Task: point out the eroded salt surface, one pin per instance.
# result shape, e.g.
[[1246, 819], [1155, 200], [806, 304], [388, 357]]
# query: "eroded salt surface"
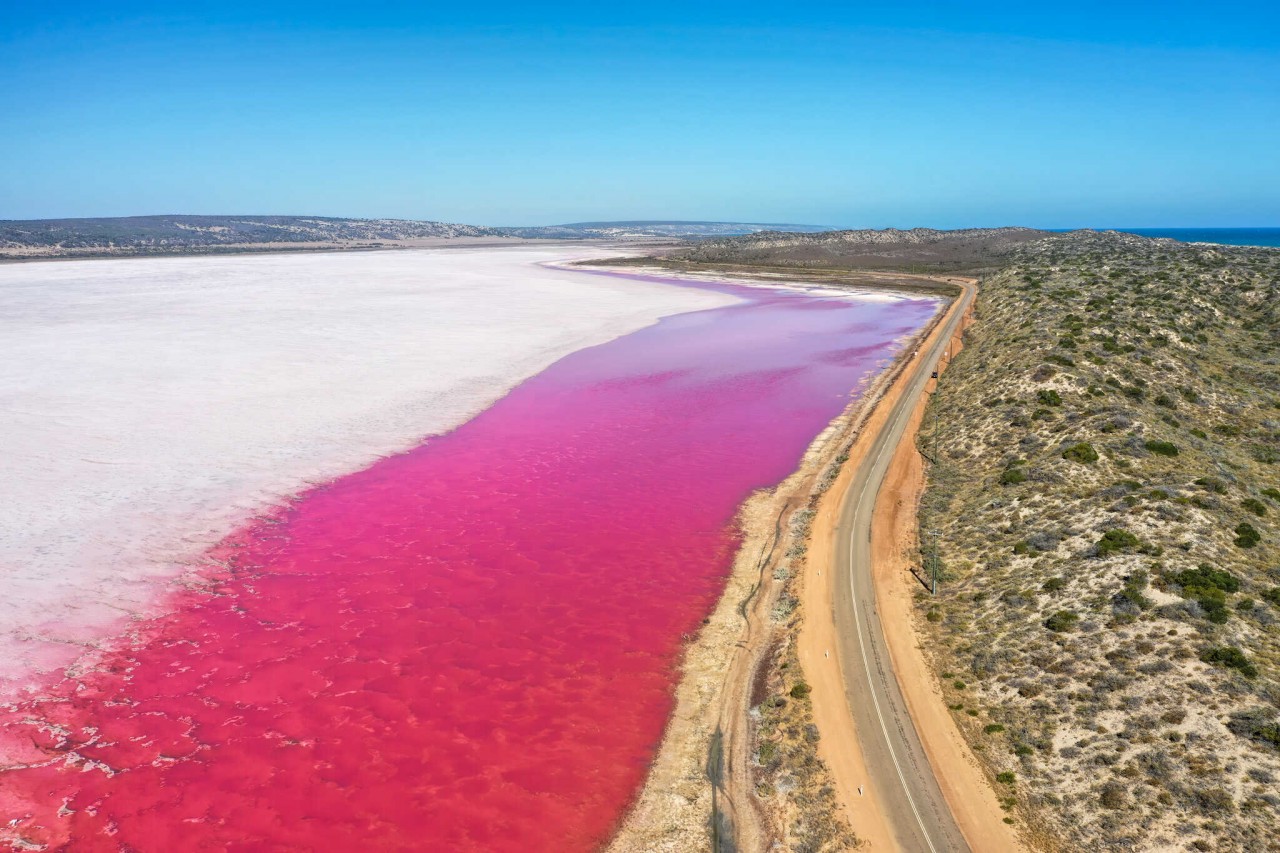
[[149, 407]]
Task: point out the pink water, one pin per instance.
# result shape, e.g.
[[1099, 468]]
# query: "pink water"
[[469, 646]]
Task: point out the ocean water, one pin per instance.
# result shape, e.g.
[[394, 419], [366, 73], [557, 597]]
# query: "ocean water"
[[1227, 236], [468, 646]]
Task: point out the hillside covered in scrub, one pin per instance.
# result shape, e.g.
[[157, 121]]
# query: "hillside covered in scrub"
[[1105, 505], [916, 249]]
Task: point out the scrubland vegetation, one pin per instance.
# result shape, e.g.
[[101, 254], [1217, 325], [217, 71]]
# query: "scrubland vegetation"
[[1107, 490]]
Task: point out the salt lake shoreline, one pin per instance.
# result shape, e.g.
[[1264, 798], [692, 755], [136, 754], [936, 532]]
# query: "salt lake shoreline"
[[674, 811]]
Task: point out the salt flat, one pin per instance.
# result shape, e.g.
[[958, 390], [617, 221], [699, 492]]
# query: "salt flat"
[[149, 407]]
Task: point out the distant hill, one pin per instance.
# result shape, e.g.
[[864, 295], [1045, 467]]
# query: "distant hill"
[[169, 235], [632, 229], [132, 235], [923, 249]]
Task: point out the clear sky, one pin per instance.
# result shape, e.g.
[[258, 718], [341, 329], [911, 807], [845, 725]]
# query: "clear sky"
[[853, 114]]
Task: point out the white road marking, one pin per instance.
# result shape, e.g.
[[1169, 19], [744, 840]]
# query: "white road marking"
[[862, 646], [866, 664]]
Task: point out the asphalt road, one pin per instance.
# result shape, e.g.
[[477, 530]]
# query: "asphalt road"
[[896, 761]]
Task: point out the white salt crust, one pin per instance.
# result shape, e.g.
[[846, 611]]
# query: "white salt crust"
[[149, 407]]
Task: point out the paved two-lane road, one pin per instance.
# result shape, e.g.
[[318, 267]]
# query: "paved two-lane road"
[[917, 812]]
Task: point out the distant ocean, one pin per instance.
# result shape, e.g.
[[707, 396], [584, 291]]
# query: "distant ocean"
[[1229, 236]]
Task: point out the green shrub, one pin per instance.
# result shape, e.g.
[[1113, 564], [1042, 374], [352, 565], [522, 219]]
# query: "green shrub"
[[1116, 540], [1254, 506], [994, 728], [1082, 452], [1161, 448], [1208, 587], [1273, 595], [1247, 535], [1206, 576], [1274, 494], [1213, 484], [1049, 397], [1054, 584], [801, 691], [1062, 621], [1130, 595], [1008, 777], [1231, 658], [1257, 724], [1013, 476]]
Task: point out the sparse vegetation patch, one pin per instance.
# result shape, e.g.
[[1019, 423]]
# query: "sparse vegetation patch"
[[1107, 516]]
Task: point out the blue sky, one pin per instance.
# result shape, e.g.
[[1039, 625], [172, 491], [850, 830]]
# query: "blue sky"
[[862, 115]]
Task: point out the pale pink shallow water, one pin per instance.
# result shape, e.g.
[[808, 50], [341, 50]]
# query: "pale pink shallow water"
[[469, 646]]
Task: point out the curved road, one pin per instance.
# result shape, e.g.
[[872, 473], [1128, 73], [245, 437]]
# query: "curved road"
[[918, 814]]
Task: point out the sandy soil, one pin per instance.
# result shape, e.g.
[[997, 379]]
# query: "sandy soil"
[[674, 808], [673, 811], [150, 406], [966, 788]]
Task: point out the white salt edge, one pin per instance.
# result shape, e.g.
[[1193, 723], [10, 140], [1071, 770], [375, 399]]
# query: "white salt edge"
[[149, 407]]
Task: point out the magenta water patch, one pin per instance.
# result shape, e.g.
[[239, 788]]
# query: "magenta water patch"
[[469, 646]]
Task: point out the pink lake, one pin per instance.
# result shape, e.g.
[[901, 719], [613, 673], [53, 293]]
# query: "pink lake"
[[468, 646]]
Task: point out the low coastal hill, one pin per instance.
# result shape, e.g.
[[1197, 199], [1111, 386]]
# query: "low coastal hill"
[[1105, 505], [140, 235], [635, 229], [190, 235], [915, 250]]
